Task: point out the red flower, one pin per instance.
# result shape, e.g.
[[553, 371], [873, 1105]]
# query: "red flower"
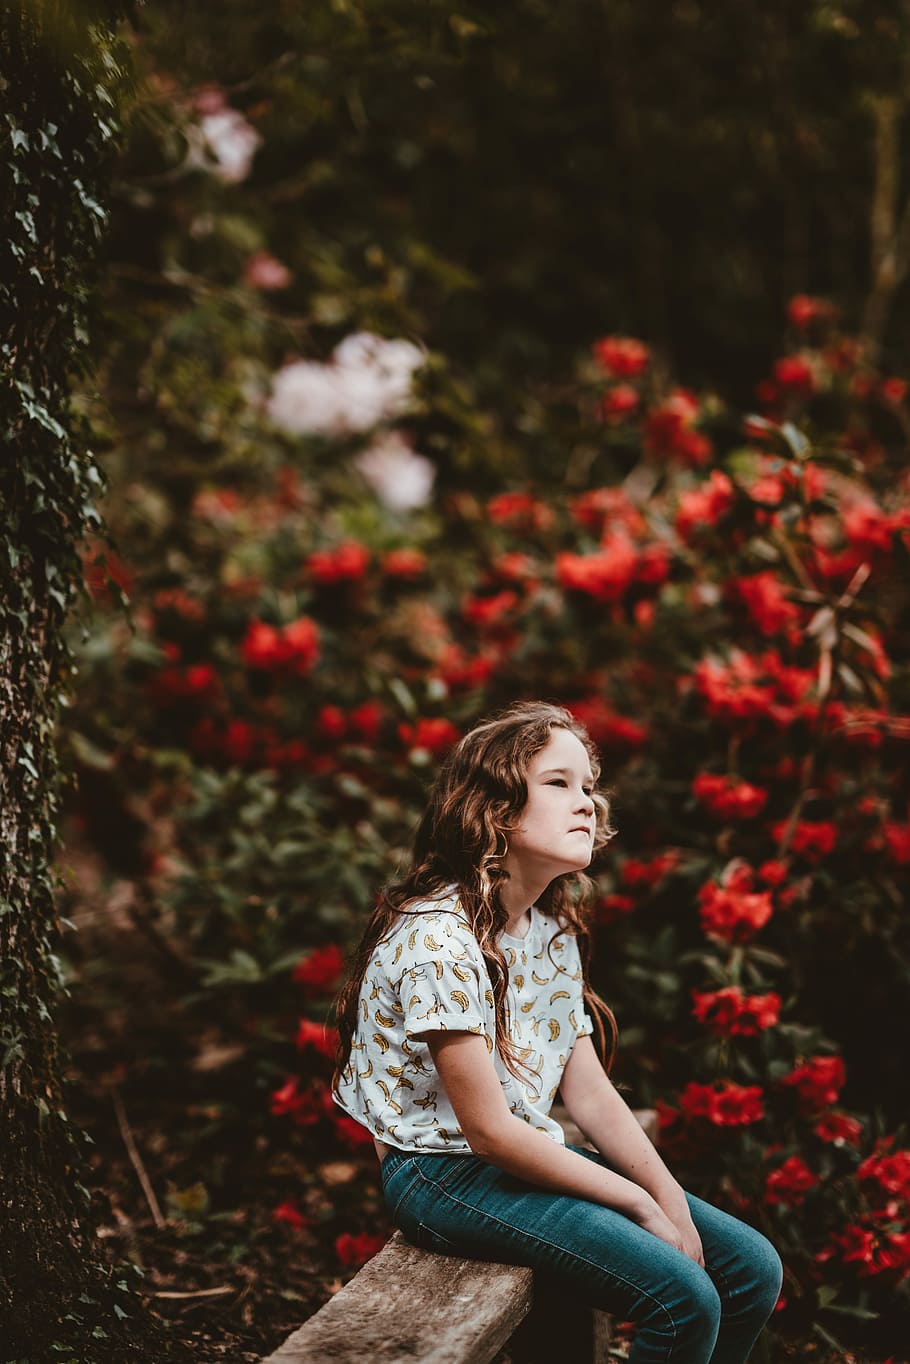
[[705, 505], [197, 683], [794, 373], [731, 1105], [605, 727], [897, 842], [618, 402], [317, 1036], [892, 1172], [599, 507], [839, 1128], [404, 563], [893, 390], [812, 839], [304, 1108], [818, 1082], [609, 908], [321, 969], [638, 872], [290, 1213], [366, 720], [519, 511], [431, 735], [670, 429], [790, 1183], [347, 562], [605, 574], [622, 356], [766, 600], [486, 612], [352, 1133], [730, 1013], [331, 723], [733, 915], [803, 310], [459, 670], [515, 567], [293, 647], [773, 872], [729, 798], [354, 1251]]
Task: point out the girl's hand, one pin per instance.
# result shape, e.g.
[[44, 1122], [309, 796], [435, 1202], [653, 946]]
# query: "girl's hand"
[[681, 1235]]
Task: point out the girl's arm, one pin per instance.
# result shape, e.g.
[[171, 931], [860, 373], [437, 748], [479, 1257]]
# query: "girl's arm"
[[496, 1135], [597, 1107]]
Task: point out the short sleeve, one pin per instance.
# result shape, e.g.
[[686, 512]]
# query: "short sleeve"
[[441, 996]]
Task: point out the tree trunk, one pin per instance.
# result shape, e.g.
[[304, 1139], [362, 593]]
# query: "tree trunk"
[[58, 1298]]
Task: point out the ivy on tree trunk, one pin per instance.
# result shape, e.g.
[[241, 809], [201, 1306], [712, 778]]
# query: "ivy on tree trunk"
[[61, 68]]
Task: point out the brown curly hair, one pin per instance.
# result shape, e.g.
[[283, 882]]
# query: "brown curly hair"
[[476, 800]]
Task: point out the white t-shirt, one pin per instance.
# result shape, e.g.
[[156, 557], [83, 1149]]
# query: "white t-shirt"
[[428, 975]]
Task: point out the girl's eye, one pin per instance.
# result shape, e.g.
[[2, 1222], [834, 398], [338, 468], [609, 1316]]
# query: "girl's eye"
[[556, 781]]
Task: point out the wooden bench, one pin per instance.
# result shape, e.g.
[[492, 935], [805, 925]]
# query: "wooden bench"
[[408, 1305]]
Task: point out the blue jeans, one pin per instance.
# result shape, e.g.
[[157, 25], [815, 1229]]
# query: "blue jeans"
[[459, 1205]]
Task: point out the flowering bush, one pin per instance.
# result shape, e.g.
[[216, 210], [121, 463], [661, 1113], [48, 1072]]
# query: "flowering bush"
[[358, 501], [733, 635]]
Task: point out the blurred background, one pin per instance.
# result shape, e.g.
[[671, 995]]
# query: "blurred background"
[[444, 358]]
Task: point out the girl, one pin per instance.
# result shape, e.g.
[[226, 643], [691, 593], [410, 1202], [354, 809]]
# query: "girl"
[[468, 1008]]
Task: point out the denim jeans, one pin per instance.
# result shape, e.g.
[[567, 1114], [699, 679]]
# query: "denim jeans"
[[684, 1314]]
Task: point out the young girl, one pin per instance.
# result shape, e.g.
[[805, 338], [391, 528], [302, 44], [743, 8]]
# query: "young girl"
[[468, 1009]]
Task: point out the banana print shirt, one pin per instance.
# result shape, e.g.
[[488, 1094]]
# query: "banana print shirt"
[[429, 975]]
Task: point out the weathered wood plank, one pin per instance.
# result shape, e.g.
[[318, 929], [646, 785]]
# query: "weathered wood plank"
[[407, 1304]]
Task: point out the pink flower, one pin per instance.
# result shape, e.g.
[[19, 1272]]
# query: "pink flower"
[[266, 272]]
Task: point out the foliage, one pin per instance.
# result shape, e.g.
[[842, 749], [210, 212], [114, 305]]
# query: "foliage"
[[724, 603]]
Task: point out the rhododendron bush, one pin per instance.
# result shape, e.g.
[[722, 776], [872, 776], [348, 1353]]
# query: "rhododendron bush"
[[349, 519], [727, 615]]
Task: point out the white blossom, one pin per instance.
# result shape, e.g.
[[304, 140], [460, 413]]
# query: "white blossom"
[[399, 477], [367, 381], [231, 140]]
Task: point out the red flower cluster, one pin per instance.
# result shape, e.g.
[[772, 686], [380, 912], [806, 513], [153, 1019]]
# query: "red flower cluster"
[[316, 1035], [811, 839], [519, 511], [599, 508], [293, 648], [638, 872], [873, 1250], [765, 598], [790, 1183], [755, 687], [618, 402], [354, 1251], [320, 969], [347, 562], [404, 563], [670, 430], [705, 505], [172, 686], [604, 575], [818, 1082], [730, 1013], [891, 1172], [728, 797], [431, 735], [622, 356], [605, 727], [839, 1128], [726, 1105], [732, 912], [290, 1213]]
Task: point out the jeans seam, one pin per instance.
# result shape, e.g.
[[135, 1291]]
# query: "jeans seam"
[[592, 1264]]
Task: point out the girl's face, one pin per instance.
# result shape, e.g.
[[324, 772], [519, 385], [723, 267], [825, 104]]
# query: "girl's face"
[[555, 834]]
